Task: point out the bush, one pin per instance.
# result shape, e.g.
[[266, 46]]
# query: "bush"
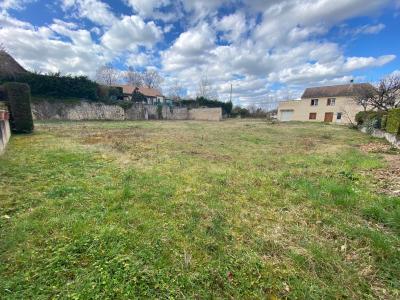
[[57, 86], [240, 112], [109, 93], [384, 122], [115, 93], [138, 97], [189, 103], [393, 121], [19, 101], [370, 117]]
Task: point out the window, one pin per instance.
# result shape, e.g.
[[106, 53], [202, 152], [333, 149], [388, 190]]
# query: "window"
[[314, 102], [313, 116], [331, 101], [339, 116]]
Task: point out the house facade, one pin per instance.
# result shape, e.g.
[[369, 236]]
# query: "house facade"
[[151, 96], [331, 104]]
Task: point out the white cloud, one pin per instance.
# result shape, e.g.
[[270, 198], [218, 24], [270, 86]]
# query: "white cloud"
[[7, 21], [42, 49], [233, 26], [138, 60], [366, 29], [94, 10], [14, 4], [146, 7], [130, 32], [191, 47], [257, 44], [314, 16], [355, 63]]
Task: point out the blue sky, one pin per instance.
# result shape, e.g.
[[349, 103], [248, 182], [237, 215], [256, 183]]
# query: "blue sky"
[[268, 50]]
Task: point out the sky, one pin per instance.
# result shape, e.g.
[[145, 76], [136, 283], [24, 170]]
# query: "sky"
[[268, 50]]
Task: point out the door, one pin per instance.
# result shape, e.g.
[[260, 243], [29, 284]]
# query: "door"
[[286, 115], [328, 117]]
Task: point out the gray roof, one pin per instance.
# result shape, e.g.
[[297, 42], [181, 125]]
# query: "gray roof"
[[9, 66], [335, 90]]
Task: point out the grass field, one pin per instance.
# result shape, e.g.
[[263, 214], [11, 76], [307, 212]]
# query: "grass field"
[[235, 209]]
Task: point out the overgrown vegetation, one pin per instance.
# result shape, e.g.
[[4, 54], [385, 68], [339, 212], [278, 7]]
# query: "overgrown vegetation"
[[55, 85], [227, 210], [18, 99], [373, 117], [204, 102], [393, 121]]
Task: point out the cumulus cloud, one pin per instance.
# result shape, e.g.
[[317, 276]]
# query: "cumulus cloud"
[[131, 32], [7, 21], [94, 10], [41, 49], [146, 7], [233, 26], [190, 48], [138, 60], [14, 4], [255, 45]]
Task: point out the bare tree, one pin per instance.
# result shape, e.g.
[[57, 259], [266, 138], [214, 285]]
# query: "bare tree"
[[364, 96], [388, 93], [152, 79], [107, 75], [206, 89], [176, 91], [384, 96], [133, 77]]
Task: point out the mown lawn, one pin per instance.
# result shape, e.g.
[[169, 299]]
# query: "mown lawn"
[[236, 209]]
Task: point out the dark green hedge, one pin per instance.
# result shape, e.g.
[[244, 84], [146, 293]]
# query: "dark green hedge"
[[109, 93], [138, 97], [226, 106], [55, 85], [377, 117], [393, 121], [201, 101], [19, 100]]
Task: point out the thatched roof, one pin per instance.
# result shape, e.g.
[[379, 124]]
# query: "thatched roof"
[[344, 90], [9, 67]]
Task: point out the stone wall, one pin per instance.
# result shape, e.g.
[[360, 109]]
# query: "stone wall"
[[76, 111], [44, 110], [176, 113], [206, 114], [5, 131], [391, 138]]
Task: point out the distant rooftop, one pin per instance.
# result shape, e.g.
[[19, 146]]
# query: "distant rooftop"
[[335, 90], [9, 66], [149, 92]]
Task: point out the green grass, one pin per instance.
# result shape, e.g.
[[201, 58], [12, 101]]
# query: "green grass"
[[235, 209]]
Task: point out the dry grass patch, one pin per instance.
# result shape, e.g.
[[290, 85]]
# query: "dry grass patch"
[[239, 209]]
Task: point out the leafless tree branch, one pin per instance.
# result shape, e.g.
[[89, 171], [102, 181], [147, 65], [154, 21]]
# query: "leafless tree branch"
[[107, 75], [152, 79], [133, 77]]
